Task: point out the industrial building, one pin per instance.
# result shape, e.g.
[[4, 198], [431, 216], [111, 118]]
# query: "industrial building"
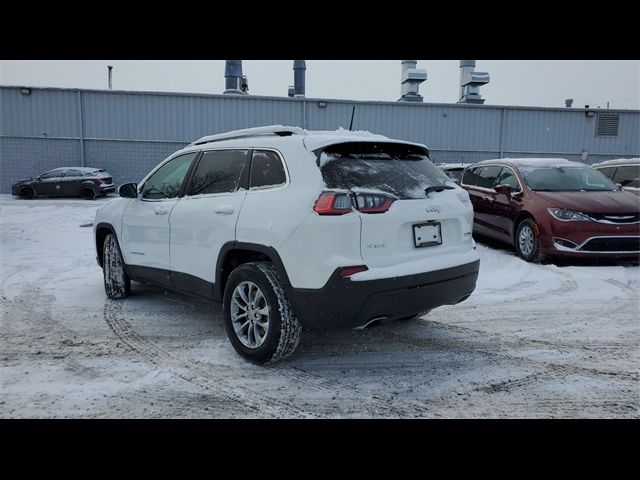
[[128, 132]]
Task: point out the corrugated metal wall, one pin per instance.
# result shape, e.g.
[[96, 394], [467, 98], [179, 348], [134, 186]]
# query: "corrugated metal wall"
[[106, 124]]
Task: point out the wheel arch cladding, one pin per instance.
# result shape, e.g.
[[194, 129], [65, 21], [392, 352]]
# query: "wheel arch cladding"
[[233, 254], [102, 230]]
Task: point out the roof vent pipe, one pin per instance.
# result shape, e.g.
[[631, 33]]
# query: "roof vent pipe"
[[235, 82], [299, 68], [568, 102], [470, 82], [410, 80]]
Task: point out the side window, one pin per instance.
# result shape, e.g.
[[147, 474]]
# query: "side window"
[[218, 172], [487, 176], [628, 176], [266, 170], [607, 171], [507, 177], [52, 174], [470, 176], [168, 179], [72, 173]]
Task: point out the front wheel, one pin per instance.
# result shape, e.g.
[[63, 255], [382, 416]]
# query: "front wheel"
[[27, 193], [528, 241], [257, 315], [117, 283]]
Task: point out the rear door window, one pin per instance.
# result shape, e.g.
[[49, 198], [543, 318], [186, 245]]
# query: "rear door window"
[[266, 170], [628, 176], [218, 171], [487, 176], [403, 171], [72, 173], [607, 171], [470, 176]]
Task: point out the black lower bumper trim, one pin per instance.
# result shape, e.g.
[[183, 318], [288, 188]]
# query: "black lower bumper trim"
[[343, 303]]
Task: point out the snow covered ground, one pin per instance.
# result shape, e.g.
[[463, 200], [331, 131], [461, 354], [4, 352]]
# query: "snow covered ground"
[[532, 341]]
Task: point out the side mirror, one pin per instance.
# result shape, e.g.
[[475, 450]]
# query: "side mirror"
[[128, 190], [506, 189]]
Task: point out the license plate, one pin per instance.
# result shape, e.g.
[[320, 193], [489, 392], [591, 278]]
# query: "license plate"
[[427, 234]]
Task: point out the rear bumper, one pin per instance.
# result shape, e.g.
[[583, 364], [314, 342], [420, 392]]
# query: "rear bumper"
[[104, 189], [343, 303]]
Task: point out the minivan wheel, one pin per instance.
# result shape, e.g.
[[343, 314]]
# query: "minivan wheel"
[[257, 315], [27, 193], [117, 283], [87, 194], [527, 241]]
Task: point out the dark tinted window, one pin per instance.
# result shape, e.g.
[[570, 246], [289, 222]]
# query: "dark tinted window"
[[401, 170], [266, 170], [72, 173], [487, 176], [218, 172], [628, 176], [607, 171], [168, 179], [52, 174], [507, 177], [470, 176]]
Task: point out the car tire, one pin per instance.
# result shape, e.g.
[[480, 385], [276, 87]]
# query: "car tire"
[[87, 194], [257, 315], [27, 193], [528, 241], [117, 283]]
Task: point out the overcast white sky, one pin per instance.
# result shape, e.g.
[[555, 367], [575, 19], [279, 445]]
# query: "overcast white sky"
[[513, 82]]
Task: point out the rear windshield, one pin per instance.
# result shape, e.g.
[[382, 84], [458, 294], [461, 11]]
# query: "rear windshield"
[[404, 171], [566, 179]]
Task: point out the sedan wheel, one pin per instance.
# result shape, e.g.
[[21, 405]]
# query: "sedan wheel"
[[27, 193]]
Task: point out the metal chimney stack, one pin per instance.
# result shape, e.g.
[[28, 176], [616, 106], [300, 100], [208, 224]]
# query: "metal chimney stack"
[[299, 69], [410, 80], [235, 82], [470, 82], [568, 102], [110, 69]]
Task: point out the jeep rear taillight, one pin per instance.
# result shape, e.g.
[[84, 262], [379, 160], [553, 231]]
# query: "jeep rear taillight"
[[348, 271], [333, 203], [373, 202]]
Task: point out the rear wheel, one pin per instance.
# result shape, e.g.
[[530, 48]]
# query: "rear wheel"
[[257, 314], [116, 281], [528, 241], [87, 194], [27, 193]]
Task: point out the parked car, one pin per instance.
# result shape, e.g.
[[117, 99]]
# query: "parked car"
[[84, 182], [553, 207], [453, 170], [625, 171], [289, 229]]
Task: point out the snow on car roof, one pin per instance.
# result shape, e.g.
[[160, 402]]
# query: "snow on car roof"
[[618, 161], [533, 162]]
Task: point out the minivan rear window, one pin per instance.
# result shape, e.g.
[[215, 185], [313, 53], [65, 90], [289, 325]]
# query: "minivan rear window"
[[401, 170]]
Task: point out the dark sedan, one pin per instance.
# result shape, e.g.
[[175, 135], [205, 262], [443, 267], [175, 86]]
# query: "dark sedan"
[[84, 182], [553, 207]]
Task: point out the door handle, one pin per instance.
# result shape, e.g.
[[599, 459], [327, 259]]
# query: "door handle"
[[161, 211], [224, 210]]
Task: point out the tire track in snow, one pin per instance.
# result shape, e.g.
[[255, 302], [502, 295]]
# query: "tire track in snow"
[[202, 378]]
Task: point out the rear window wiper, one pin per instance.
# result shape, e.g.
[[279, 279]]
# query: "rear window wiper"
[[437, 188]]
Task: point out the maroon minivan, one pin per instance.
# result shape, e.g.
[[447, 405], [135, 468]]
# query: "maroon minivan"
[[553, 207]]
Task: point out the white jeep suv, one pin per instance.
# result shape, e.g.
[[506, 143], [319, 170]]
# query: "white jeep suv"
[[290, 228]]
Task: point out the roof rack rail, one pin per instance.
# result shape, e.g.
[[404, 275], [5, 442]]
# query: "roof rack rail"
[[280, 130]]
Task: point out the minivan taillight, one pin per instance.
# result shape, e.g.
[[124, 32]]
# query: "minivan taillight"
[[333, 203], [373, 202]]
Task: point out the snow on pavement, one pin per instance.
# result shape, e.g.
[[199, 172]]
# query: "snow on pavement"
[[532, 341]]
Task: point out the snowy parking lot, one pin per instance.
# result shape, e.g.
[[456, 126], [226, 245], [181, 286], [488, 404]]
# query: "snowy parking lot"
[[532, 341]]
